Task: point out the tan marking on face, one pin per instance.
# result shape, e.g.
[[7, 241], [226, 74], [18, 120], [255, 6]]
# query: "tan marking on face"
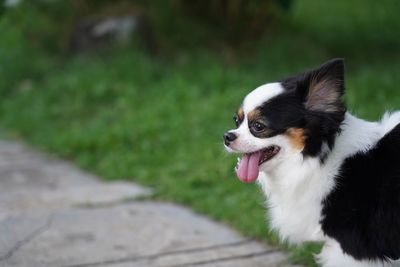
[[296, 137], [240, 113], [254, 115]]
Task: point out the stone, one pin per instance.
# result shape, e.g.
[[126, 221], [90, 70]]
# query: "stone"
[[29, 181], [134, 234], [53, 214]]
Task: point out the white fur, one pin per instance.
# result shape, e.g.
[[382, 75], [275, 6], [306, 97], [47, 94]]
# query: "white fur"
[[260, 95], [389, 121], [295, 186]]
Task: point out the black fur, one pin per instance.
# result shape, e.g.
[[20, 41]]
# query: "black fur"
[[289, 109], [362, 212], [283, 112]]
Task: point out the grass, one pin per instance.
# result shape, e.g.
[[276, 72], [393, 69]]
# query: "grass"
[[159, 121]]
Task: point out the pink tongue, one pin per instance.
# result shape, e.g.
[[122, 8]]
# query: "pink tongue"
[[247, 170]]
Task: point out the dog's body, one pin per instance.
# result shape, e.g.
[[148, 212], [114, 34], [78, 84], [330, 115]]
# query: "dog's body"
[[328, 175]]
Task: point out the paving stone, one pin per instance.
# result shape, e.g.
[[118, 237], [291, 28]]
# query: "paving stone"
[[53, 214], [135, 234], [29, 181], [16, 231]]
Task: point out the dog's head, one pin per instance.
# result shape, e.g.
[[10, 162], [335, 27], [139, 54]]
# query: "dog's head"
[[296, 117]]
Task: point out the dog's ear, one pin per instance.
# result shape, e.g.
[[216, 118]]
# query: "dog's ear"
[[322, 88]]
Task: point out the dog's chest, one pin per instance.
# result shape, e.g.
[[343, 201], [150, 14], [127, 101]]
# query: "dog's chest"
[[295, 210], [296, 219]]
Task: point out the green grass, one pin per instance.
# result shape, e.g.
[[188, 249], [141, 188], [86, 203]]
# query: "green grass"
[[159, 121]]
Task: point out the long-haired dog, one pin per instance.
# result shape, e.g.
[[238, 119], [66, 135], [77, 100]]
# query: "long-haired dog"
[[328, 175]]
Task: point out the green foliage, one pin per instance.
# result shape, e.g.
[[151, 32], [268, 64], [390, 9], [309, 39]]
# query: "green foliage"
[[160, 124], [159, 120], [363, 30], [45, 25], [48, 25], [233, 21], [19, 59]]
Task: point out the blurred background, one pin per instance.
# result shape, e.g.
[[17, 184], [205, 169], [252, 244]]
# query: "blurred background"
[[143, 90]]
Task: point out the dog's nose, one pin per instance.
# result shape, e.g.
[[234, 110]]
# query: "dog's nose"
[[229, 137]]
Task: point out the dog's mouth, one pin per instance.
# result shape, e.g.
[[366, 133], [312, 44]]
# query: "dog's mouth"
[[248, 167]]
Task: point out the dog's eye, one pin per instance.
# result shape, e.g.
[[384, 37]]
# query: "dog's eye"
[[236, 120], [258, 127]]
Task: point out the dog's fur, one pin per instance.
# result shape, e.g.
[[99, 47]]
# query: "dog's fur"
[[336, 178]]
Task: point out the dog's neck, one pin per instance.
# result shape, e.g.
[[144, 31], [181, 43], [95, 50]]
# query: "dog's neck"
[[357, 135]]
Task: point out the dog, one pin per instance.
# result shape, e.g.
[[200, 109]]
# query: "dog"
[[328, 176]]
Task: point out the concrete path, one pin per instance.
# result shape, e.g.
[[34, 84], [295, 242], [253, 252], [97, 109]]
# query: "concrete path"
[[52, 214]]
